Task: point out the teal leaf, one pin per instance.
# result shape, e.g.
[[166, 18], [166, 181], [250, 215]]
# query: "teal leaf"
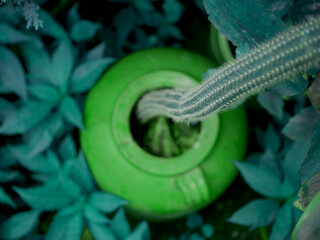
[[257, 213], [269, 162], [106, 202], [290, 87], [81, 174], [278, 7], [242, 22], [119, 225], [6, 108], [24, 119], [96, 53], [207, 230], [273, 103], [293, 159], [86, 74], [44, 92], [12, 74], [300, 127], [314, 93], [260, 180], [194, 220], [53, 161], [73, 15], [272, 138], [67, 148], [37, 62], [7, 158], [66, 185], [19, 225], [173, 10], [4, 198], [10, 35], [100, 231], [9, 15], [84, 30], [71, 111], [51, 27], [62, 64], [92, 214], [303, 9], [8, 175], [311, 164], [44, 197], [143, 5], [141, 232], [283, 223], [67, 224], [124, 23]]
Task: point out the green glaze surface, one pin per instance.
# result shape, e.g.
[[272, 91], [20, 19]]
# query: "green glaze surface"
[[158, 188]]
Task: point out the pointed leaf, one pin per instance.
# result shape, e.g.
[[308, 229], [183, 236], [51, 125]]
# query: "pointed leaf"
[[25, 118], [11, 73], [101, 231], [273, 103], [86, 74], [67, 148], [62, 63], [92, 214], [257, 213], [124, 23], [10, 35], [6, 108], [272, 139], [311, 164], [283, 223], [84, 30], [7, 158], [120, 225], [44, 197], [44, 92], [19, 225], [142, 232], [73, 15], [106, 202], [4, 198], [290, 87], [96, 53], [51, 27], [8, 175], [67, 224], [300, 127], [71, 111]]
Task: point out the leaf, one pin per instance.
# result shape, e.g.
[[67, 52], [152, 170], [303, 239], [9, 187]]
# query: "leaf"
[[207, 230], [96, 53], [67, 224], [11, 73], [309, 190], [62, 64], [300, 127], [10, 35], [19, 225], [66, 185], [311, 164], [100, 231], [194, 220], [6, 108], [73, 15], [303, 9], [257, 213], [86, 74], [8, 175], [84, 30], [314, 93], [272, 139], [269, 162], [51, 27], [44, 197], [119, 225], [272, 103], [106, 202], [260, 180], [81, 174], [67, 148], [242, 22], [7, 158], [71, 111], [92, 214], [308, 226], [290, 87], [124, 23], [283, 223], [4, 198], [279, 8], [24, 119], [44, 92], [173, 10], [141, 232], [10, 15]]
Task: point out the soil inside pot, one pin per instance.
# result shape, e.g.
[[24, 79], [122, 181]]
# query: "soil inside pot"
[[162, 137]]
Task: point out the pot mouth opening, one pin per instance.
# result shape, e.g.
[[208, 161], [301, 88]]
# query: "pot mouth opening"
[[162, 137]]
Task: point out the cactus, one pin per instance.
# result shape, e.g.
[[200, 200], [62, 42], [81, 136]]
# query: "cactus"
[[291, 52]]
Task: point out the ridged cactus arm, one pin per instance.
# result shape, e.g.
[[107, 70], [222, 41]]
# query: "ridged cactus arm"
[[295, 50]]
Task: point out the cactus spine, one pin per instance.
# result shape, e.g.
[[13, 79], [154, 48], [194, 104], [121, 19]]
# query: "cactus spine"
[[295, 50]]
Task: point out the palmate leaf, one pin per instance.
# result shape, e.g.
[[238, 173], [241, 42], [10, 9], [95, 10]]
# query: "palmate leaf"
[[119, 225], [84, 30], [19, 225], [283, 223], [67, 224], [106, 202], [12, 77], [69, 108], [141, 232], [257, 213]]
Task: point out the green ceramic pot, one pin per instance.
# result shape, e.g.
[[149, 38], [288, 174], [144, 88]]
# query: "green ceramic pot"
[[158, 188]]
